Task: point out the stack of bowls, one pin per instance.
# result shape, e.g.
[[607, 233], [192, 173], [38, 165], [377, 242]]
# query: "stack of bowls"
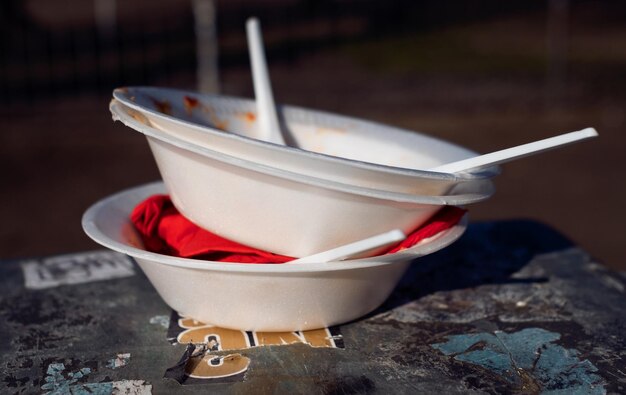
[[340, 180], [348, 179]]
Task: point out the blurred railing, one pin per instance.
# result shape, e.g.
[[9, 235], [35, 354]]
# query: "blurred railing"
[[39, 62], [42, 62]]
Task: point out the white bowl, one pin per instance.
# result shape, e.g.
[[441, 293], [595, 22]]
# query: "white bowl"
[[330, 146], [261, 297], [276, 210]]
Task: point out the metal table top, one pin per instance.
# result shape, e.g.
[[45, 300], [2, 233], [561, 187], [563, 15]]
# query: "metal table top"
[[512, 306]]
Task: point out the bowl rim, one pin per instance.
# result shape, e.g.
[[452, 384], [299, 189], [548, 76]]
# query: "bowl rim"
[[93, 230], [124, 95], [121, 112]]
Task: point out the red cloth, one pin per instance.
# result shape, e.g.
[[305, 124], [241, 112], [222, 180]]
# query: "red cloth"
[[164, 230]]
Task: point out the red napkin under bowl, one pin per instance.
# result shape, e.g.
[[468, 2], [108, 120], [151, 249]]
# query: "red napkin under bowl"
[[165, 231]]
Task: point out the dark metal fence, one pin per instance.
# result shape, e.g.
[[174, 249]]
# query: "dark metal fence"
[[39, 62], [36, 61]]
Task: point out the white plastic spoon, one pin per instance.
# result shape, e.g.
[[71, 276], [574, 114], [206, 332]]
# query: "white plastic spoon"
[[266, 109], [517, 152], [354, 249]]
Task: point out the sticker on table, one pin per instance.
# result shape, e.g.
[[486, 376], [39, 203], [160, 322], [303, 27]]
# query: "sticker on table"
[[187, 330], [200, 362], [76, 269], [198, 366]]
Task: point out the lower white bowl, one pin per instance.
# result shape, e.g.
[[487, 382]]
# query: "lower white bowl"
[[259, 297]]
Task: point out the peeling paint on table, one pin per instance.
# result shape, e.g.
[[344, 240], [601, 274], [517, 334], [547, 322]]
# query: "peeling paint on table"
[[119, 361], [528, 358], [59, 382], [163, 320]]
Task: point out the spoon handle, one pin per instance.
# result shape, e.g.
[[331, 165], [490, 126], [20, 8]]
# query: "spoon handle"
[[517, 152], [354, 249], [266, 109]]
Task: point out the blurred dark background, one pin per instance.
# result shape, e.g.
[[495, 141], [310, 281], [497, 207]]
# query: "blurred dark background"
[[485, 74]]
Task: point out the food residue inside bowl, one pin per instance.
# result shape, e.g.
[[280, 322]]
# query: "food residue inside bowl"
[[190, 104], [163, 106]]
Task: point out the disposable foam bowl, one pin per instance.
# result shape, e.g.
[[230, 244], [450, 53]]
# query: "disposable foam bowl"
[[261, 297], [277, 210], [320, 144]]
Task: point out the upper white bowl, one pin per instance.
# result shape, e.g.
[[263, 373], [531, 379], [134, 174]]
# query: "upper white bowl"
[[261, 297], [329, 146], [277, 210]]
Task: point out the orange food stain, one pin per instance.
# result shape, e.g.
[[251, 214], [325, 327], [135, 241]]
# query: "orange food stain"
[[223, 125], [190, 103], [139, 117], [330, 131], [162, 106]]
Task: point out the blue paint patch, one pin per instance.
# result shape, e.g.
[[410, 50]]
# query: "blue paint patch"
[[58, 383], [528, 357], [119, 361]]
